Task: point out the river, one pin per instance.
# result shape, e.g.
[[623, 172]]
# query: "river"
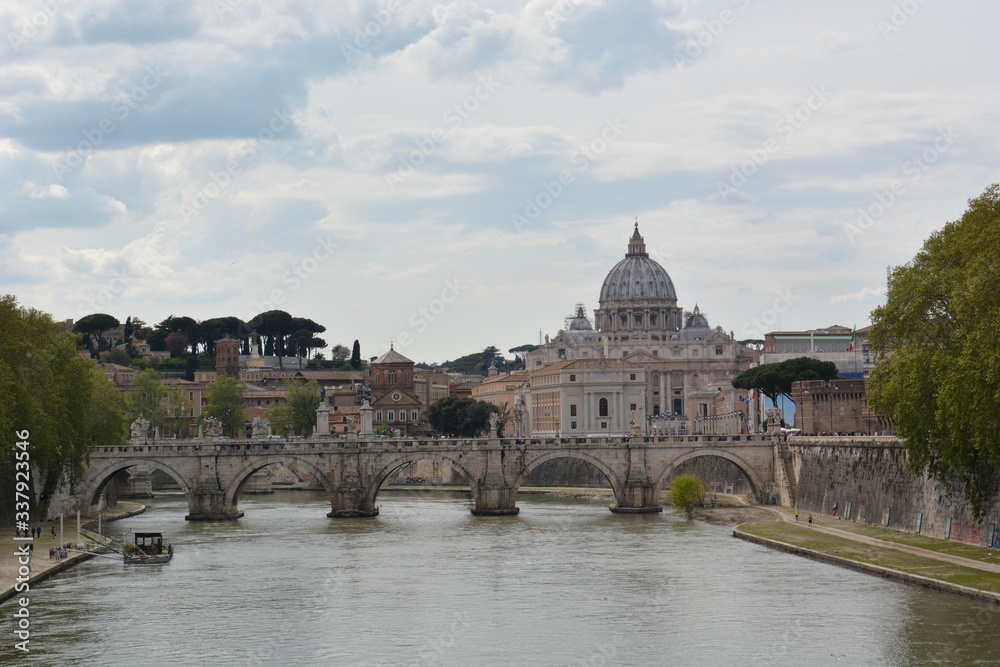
[[426, 583]]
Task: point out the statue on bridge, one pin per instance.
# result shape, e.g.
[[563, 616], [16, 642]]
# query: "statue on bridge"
[[140, 430], [633, 422], [775, 420], [259, 428], [213, 427], [494, 420]]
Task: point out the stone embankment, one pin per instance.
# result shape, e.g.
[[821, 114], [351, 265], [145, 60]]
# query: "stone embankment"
[[42, 566]]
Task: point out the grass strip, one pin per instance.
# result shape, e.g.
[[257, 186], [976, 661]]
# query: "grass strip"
[[930, 543], [884, 557]]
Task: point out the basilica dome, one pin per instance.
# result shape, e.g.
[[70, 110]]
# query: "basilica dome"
[[637, 276], [638, 296]]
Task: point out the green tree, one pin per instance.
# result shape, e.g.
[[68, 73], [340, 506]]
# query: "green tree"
[[464, 417], [774, 380], [356, 356], [339, 354], [61, 400], [303, 400], [146, 398], [119, 356], [937, 335], [225, 403], [94, 327], [686, 493]]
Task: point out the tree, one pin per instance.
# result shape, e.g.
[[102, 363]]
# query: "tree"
[[356, 356], [774, 380], [339, 354], [61, 403], [94, 327], [937, 337], [464, 417], [119, 356], [176, 343], [686, 493], [479, 362], [146, 398], [225, 403], [303, 400]]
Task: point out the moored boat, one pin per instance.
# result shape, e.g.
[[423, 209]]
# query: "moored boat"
[[148, 549]]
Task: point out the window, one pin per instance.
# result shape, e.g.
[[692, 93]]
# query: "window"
[[718, 349], [572, 425], [378, 416], [392, 415], [656, 410], [413, 415], [604, 424], [632, 407], [391, 376], [602, 408], [572, 378], [631, 376], [562, 354], [572, 411], [656, 379]]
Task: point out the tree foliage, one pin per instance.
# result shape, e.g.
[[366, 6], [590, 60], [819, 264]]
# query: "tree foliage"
[[356, 356], [939, 379], [146, 398], [94, 326], [774, 380], [303, 400], [687, 493], [465, 417], [225, 403], [478, 363], [63, 401]]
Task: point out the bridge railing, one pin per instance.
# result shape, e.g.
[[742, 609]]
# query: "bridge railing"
[[317, 445]]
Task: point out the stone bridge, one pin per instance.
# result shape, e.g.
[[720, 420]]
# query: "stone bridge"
[[213, 471]]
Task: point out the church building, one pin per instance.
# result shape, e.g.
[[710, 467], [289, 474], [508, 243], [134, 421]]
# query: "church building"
[[683, 366]]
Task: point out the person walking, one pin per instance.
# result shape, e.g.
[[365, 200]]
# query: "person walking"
[[810, 520], [796, 515]]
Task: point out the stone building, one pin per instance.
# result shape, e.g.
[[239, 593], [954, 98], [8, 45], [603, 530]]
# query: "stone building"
[[687, 366], [847, 348], [393, 393]]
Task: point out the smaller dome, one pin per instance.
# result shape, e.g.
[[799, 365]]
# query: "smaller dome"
[[695, 320], [579, 322]]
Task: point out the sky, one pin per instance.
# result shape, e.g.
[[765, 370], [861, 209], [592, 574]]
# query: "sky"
[[450, 175]]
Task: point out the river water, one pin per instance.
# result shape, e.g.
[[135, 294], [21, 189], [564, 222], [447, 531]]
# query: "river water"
[[426, 583]]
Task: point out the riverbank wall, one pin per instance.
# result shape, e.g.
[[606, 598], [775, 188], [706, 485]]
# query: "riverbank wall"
[[867, 479]]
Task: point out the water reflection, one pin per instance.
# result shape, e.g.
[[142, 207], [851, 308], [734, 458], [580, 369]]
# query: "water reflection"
[[564, 583]]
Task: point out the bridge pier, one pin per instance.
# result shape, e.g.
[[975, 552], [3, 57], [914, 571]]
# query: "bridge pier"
[[494, 498], [637, 498], [351, 500], [209, 504]]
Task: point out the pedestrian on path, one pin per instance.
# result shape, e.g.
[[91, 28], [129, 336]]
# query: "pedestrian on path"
[[796, 515], [54, 529], [810, 519]]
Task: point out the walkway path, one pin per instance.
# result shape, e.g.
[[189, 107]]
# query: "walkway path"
[[825, 524], [42, 567]]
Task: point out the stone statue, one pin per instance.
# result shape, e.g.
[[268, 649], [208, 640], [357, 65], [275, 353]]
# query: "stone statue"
[[633, 423], [259, 427], [213, 427], [494, 420], [352, 421], [774, 419], [140, 429]]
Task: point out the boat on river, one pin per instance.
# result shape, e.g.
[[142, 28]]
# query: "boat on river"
[[147, 549]]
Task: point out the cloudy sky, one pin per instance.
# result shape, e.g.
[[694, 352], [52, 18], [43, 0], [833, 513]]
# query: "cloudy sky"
[[452, 174]]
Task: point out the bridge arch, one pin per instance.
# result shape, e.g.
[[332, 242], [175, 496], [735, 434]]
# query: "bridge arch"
[[533, 463], [98, 478], [398, 461], [232, 491], [756, 483]]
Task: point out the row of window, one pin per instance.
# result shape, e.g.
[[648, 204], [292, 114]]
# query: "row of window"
[[391, 415]]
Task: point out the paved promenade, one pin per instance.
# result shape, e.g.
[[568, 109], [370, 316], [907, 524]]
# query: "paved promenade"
[[43, 567]]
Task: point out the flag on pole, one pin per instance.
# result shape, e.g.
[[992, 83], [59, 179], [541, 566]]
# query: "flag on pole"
[[854, 334]]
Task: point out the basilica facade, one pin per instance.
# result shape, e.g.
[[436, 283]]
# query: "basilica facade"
[[643, 360]]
